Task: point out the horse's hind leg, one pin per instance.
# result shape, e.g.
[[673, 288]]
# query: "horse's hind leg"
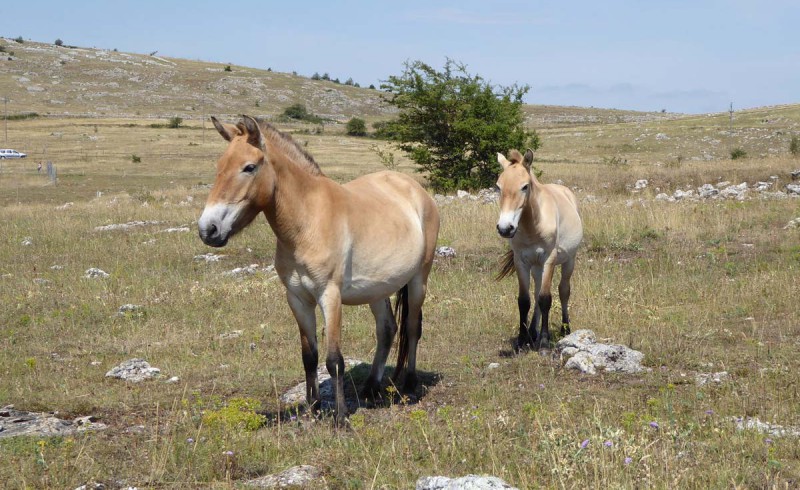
[[563, 294], [417, 289], [385, 329]]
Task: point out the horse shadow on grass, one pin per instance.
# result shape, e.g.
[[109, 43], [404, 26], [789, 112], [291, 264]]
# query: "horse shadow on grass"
[[295, 410]]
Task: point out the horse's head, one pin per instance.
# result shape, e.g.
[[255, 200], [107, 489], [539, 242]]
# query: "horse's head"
[[243, 186], [514, 185]]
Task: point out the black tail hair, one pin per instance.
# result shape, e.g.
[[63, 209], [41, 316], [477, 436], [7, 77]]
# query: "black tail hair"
[[401, 315], [506, 265]]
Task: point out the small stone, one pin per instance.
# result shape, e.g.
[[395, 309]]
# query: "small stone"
[[134, 370], [493, 365], [462, 194], [173, 379], [231, 335], [27, 242], [702, 379], [209, 257], [95, 273], [446, 252], [469, 482], [302, 476]]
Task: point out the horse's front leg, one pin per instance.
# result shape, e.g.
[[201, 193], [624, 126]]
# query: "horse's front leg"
[[545, 301], [331, 304], [303, 312], [526, 336]]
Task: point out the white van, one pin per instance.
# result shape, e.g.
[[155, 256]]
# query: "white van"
[[8, 153]]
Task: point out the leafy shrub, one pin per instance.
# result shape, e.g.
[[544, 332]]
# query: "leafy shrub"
[[453, 124], [20, 117], [299, 112], [19, 39], [738, 153], [794, 146], [385, 130], [386, 156], [356, 127], [136, 158], [227, 68], [316, 76], [59, 42], [175, 122]]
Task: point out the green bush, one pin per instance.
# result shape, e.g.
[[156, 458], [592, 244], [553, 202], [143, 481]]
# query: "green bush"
[[136, 158], [794, 146], [356, 127], [175, 122], [738, 153], [59, 42], [453, 124], [19, 39], [227, 68], [299, 112]]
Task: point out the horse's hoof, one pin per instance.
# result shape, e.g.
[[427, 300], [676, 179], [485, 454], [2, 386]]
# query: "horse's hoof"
[[410, 384], [371, 392], [565, 330]]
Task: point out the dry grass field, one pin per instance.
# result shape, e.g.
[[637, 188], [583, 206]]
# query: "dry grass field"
[[697, 286]]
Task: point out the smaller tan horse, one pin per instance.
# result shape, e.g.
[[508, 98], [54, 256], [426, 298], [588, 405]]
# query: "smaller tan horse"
[[352, 244], [544, 229]]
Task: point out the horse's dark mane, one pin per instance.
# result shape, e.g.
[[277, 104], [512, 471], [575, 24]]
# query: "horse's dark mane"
[[299, 155]]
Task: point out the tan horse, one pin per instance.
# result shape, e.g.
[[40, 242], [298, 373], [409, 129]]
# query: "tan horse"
[[544, 229], [352, 244]]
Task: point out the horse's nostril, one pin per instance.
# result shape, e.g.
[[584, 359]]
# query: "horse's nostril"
[[212, 230]]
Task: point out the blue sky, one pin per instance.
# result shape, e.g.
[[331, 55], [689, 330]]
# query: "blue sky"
[[683, 56]]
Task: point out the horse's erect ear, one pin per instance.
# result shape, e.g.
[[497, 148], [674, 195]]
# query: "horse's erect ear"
[[228, 131], [502, 160], [253, 131], [528, 160]]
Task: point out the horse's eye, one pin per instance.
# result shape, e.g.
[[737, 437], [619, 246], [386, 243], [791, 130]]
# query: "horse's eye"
[[525, 188], [249, 168]]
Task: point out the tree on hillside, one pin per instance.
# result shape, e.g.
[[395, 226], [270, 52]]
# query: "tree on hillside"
[[356, 127], [453, 124]]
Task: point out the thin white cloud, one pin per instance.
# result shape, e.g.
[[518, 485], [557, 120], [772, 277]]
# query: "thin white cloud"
[[464, 17]]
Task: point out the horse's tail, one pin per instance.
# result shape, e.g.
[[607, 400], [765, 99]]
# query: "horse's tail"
[[401, 315], [506, 265]]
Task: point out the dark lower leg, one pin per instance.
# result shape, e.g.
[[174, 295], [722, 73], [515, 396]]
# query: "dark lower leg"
[[310, 362], [525, 336], [543, 340], [335, 364]]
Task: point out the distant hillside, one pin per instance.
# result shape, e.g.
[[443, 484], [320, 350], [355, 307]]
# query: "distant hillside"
[[50, 79], [57, 80]]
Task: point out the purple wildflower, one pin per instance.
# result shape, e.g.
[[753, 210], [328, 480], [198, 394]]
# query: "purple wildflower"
[[585, 444], [190, 440], [768, 440], [228, 453], [608, 444], [541, 386], [654, 424], [709, 412], [628, 460]]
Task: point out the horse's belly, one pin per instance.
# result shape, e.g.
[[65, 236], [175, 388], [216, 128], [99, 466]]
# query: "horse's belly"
[[373, 280], [364, 292]]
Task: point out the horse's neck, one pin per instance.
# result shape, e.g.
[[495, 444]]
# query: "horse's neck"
[[289, 213], [531, 214]]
